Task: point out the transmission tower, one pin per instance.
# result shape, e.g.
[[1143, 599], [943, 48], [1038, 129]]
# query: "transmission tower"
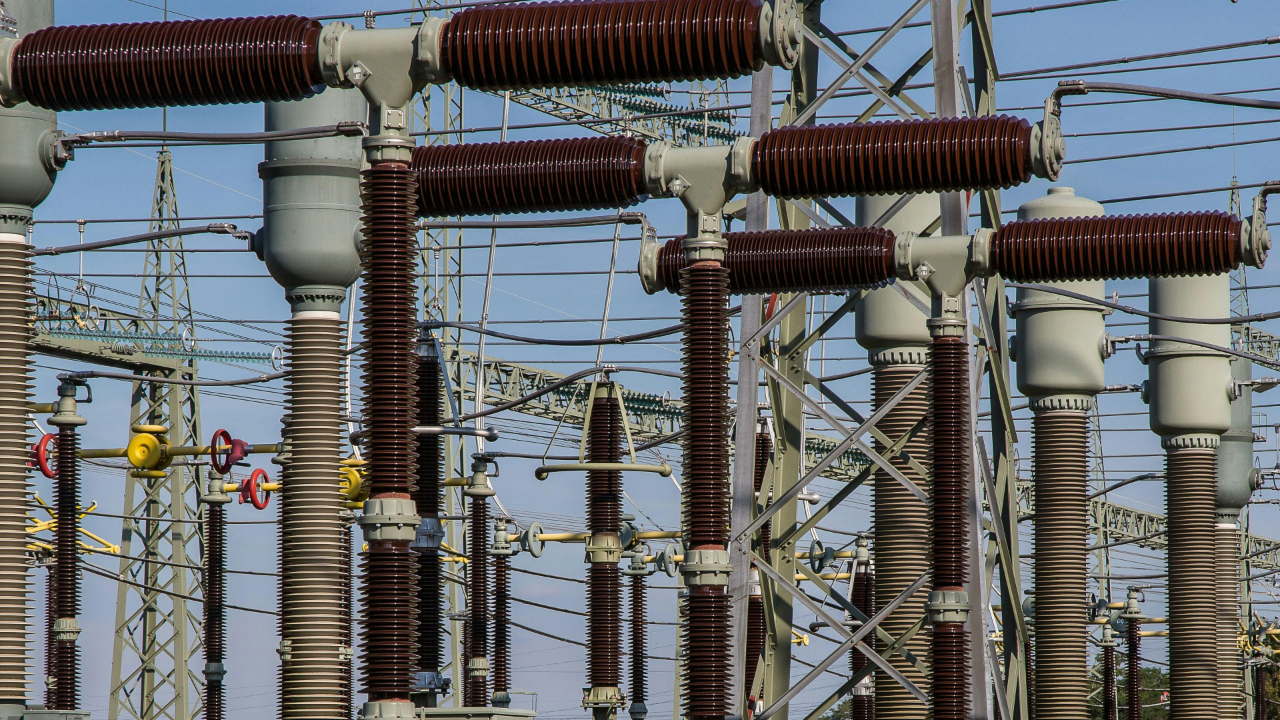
[[156, 632]]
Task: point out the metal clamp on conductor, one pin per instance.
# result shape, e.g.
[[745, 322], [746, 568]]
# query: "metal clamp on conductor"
[[582, 465]]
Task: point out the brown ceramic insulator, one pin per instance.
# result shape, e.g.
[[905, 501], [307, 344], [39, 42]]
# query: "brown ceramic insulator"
[[579, 42], [66, 669], [426, 497], [1133, 676], [861, 707], [529, 176], [814, 261], [764, 451], [949, 658], [1227, 564], [1109, 683], [1124, 246], [478, 529], [501, 624], [901, 523], [189, 62], [1190, 486], [705, 653], [389, 611], [949, 366], [390, 261], [348, 596], [757, 634], [1060, 465], [1260, 694], [604, 517], [706, 393], [1029, 659], [604, 626], [639, 646], [900, 156], [215, 595], [50, 608]]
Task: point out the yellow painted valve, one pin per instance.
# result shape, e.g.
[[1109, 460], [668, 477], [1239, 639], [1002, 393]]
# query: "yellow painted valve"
[[146, 452]]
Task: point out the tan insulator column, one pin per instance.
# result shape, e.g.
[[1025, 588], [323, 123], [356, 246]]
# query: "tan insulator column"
[[1236, 482], [1189, 391], [893, 332], [311, 204], [1059, 349]]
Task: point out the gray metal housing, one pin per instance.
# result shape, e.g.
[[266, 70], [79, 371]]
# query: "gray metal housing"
[[1235, 454], [27, 135], [310, 234], [1189, 388], [1061, 342], [888, 325]]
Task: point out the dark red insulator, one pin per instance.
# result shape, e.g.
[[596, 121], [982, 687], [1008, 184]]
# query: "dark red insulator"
[[389, 610], [604, 517], [530, 176], [863, 596], [815, 261], [639, 646], [952, 449], [901, 156], [66, 653], [215, 595], [1133, 675], [1119, 247], [188, 62], [706, 394], [478, 529], [706, 653], [586, 42], [426, 497], [501, 625]]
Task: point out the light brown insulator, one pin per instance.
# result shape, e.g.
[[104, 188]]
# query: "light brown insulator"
[[426, 497], [1227, 567], [1117, 247], [529, 176], [66, 653], [187, 62], [478, 600], [901, 541], [215, 595], [895, 157], [315, 557], [604, 517], [705, 345], [1190, 486], [1133, 675], [50, 609], [949, 366], [783, 261], [1060, 464], [501, 625], [579, 42], [16, 359], [389, 592]]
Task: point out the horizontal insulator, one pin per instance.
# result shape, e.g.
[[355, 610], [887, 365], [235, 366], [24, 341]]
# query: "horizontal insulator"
[[1125, 246], [914, 156], [189, 62], [586, 42], [531, 176], [815, 261]]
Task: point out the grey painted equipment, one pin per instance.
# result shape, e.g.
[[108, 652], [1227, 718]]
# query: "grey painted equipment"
[[1190, 395], [27, 170], [1059, 348], [892, 330], [311, 192]]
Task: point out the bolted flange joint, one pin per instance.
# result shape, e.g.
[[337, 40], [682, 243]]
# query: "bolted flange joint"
[[780, 33], [215, 672], [604, 548], [478, 667], [66, 629], [389, 519], [706, 567], [602, 697], [388, 710], [428, 536], [948, 606]]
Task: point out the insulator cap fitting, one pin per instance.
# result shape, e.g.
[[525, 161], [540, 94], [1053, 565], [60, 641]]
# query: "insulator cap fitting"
[[706, 567], [215, 672], [604, 548], [603, 697], [388, 710], [389, 520], [948, 606], [478, 667], [428, 536], [66, 629], [780, 33]]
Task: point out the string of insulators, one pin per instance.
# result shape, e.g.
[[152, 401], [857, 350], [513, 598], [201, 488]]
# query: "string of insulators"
[[604, 517], [188, 62], [581, 42], [529, 176], [501, 624], [900, 156]]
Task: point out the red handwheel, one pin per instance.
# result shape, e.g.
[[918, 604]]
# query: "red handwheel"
[[249, 490], [45, 450], [220, 459]]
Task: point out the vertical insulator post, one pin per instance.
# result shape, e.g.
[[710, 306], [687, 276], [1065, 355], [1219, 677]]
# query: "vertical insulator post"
[[215, 595], [638, 571], [429, 682], [66, 653], [603, 695], [862, 592], [501, 631], [478, 592], [1133, 674], [757, 627], [1108, 645]]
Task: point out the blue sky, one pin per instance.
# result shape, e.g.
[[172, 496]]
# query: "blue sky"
[[117, 183]]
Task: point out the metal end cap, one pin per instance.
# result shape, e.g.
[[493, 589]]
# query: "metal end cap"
[[780, 33], [1187, 442], [388, 710], [603, 697]]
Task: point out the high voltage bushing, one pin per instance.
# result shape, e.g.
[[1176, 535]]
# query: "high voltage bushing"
[[1237, 479], [637, 571], [603, 695], [1190, 391], [215, 594], [476, 687], [1059, 349], [65, 679], [430, 533], [863, 591], [1132, 617], [259, 59], [757, 627]]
